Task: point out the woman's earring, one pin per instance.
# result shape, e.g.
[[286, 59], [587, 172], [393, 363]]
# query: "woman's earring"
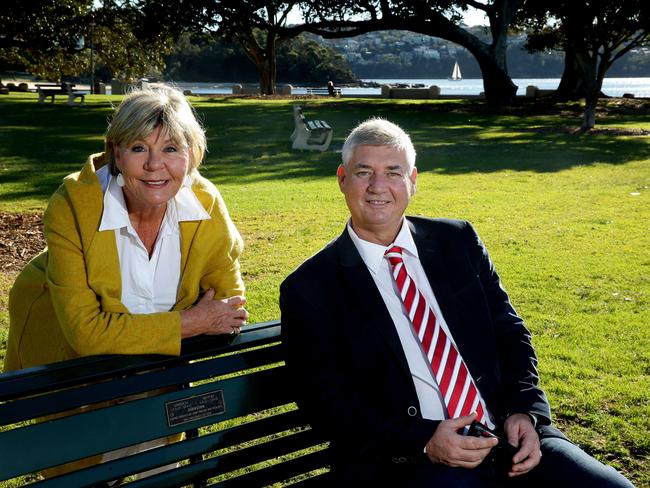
[[120, 180]]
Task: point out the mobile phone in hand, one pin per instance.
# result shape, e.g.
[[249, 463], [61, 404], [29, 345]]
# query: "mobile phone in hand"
[[477, 429]]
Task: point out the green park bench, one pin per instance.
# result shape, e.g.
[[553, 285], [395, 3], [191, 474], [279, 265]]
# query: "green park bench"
[[230, 395], [49, 90]]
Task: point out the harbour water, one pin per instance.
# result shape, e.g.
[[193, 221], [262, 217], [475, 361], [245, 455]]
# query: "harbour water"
[[614, 87]]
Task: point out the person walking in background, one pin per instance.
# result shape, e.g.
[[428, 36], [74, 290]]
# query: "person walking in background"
[[402, 341], [331, 91]]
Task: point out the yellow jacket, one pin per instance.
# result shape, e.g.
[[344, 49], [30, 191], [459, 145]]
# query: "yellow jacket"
[[66, 302]]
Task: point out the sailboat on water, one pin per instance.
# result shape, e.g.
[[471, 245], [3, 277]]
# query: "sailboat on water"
[[455, 73]]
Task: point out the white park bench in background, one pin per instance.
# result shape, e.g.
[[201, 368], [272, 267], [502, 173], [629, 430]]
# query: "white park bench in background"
[[46, 90], [314, 135]]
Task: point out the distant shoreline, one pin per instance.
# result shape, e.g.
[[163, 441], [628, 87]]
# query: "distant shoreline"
[[613, 87]]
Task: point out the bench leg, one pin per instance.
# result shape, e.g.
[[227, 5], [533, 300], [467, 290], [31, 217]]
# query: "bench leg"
[[72, 97], [322, 145], [302, 141]]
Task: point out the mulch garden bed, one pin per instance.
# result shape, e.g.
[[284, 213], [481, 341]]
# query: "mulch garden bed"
[[21, 238]]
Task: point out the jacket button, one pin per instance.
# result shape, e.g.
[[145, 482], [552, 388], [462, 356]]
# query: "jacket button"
[[412, 411]]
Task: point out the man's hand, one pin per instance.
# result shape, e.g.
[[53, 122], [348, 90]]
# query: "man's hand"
[[447, 446], [521, 433]]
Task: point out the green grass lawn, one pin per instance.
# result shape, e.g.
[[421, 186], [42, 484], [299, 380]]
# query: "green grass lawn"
[[566, 218]]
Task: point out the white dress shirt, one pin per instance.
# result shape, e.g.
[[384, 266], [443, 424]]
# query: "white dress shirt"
[[432, 403], [149, 285]]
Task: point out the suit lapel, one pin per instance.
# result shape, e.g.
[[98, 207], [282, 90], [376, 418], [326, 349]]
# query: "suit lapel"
[[362, 291], [431, 260]]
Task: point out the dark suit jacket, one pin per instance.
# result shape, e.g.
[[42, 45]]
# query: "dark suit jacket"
[[345, 355]]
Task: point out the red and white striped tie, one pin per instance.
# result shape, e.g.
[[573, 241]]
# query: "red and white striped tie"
[[454, 380]]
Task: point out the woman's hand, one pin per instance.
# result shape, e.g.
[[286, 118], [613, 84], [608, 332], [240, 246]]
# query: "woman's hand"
[[210, 316]]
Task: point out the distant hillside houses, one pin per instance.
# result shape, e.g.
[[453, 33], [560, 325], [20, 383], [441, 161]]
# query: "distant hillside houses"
[[403, 54]]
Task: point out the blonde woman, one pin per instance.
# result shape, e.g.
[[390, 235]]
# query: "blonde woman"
[[141, 249]]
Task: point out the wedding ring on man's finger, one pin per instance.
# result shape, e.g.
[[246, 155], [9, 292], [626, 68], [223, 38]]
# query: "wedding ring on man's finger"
[[232, 332]]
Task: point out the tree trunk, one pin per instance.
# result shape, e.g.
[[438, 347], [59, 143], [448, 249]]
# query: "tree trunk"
[[571, 85], [263, 58], [499, 87], [266, 84], [268, 78], [589, 116], [587, 63]]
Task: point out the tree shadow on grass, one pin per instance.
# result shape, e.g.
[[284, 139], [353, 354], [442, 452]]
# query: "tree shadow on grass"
[[447, 142], [248, 140]]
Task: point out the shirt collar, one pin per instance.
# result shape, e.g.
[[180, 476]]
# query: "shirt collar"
[[115, 214], [373, 254], [185, 206]]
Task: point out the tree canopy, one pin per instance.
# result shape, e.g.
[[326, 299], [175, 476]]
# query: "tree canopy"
[[593, 37], [438, 18], [42, 35], [53, 39], [204, 58], [252, 23]]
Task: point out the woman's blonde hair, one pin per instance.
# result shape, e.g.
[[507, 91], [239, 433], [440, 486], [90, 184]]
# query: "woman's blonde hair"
[[142, 111]]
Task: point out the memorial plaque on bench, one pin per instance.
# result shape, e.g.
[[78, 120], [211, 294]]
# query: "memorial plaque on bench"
[[194, 408]]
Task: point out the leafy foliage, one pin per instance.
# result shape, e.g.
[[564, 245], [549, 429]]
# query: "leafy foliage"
[[44, 36], [53, 39], [592, 37], [124, 45], [202, 58], [439, 18]]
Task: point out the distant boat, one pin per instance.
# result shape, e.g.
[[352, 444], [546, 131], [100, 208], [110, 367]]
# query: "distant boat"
[[455, 73]]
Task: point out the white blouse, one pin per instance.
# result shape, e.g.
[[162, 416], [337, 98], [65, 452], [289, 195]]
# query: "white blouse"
[[148, 284]]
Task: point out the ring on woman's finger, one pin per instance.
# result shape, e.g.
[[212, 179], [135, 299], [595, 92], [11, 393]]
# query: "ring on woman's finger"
[[232, 332]]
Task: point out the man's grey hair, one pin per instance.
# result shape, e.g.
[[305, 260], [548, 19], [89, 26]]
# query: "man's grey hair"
[[379, 132]]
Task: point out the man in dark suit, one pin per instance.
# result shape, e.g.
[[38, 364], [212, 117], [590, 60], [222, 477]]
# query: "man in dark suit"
[[397, 392]]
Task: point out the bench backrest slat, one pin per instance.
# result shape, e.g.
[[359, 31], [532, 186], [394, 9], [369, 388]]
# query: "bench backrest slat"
[[42, 445], [282, 471], [56, 402], [31, 381], [172, 453]]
